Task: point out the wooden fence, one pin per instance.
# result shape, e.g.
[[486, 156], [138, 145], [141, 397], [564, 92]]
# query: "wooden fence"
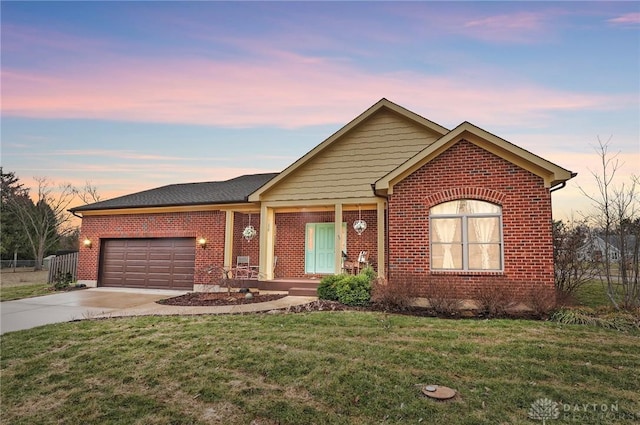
[[63, 264]]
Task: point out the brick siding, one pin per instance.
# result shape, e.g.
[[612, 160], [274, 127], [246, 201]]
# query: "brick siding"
[[241, 246], [467, 171], [207, 224]]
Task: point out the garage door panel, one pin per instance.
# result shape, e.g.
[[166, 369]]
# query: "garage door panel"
[[136, 256], [148, 263]]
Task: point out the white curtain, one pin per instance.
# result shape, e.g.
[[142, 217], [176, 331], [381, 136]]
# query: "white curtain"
[[484, 228], [446, 230]]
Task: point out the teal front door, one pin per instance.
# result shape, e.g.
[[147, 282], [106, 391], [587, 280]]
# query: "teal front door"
[[320, 248]]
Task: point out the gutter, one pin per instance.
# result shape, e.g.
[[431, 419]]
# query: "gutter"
[[562, 184]]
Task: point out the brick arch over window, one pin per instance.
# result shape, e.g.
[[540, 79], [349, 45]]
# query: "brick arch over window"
[[479, 193]]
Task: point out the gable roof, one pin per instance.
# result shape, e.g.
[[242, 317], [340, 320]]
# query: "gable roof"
[[550, 172], [235, 190], [378, 106]]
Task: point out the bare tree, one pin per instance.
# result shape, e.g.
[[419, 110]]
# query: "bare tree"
[[88, 193], [46, 219], [573, 267], [617, 215]]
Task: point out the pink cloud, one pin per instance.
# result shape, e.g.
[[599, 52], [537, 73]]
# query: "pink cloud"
[[287, 91], [628, 19], [522, 27]]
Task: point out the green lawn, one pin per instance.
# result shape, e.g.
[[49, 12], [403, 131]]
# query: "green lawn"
[[321, 367], [23, 283], [27, 291]]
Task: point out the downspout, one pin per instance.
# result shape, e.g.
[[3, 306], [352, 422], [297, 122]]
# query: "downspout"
[[386, 229]]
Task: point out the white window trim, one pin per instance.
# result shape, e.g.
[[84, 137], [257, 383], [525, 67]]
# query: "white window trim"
[[464, 236]]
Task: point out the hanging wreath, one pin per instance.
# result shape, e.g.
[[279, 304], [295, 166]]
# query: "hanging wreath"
[[249, 232]]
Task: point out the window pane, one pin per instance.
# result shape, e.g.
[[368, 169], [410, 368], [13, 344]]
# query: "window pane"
[[485, 229], [446, 230], [446, 256], [481, 207], [484, 257], [453, 207]]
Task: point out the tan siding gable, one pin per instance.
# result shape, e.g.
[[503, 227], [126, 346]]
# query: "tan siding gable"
[[348, 167]]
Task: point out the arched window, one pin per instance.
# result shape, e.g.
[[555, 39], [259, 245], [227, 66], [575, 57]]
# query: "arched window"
[[466, 234]]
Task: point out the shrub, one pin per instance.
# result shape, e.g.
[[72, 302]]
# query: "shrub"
[[541, 302], [442, 297], [327, 287], [354, 290], [369, 273], [347, 289], [397, 296], [494, 301], [62, 281]]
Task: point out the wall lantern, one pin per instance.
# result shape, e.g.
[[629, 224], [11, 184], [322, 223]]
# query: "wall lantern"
[[202, 242], [249, 232], [86, 242], [359, 225]]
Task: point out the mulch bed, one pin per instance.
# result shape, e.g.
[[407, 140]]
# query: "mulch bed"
[[68, 288], [219, 298], [204, 299]]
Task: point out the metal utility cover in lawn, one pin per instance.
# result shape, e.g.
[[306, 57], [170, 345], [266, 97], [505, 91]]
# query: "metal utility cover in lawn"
[[438, 392]]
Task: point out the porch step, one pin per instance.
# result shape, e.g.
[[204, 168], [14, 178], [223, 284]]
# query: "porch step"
[[288, 284], [303, 292]]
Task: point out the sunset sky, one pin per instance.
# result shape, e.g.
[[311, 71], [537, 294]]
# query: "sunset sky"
[[135, 95]]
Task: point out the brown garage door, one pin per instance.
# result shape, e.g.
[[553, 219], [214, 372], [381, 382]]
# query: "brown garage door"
[[165, 263]]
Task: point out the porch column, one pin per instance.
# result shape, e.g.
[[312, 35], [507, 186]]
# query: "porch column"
[[337, 261], [228, 239], [267, 242], [381, 237]]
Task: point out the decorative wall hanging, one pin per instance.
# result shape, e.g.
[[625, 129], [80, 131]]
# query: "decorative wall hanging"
[[249, 232], [359, 225]]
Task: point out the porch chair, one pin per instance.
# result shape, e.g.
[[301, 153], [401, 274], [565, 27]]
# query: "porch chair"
[[243, 268], [349, 267], [363, 260]]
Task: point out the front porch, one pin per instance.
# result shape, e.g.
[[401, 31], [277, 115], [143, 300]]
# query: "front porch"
[[294, 286], [298, 287]]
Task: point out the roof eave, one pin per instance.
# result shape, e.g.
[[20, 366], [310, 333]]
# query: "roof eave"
[[199, 206], [551, 173]]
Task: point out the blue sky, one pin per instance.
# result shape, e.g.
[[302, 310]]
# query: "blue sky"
[[135, 95]]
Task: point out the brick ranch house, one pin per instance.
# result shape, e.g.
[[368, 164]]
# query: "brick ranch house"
[[460, 206]]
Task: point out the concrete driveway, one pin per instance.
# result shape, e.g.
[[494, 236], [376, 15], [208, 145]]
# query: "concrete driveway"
[[75, 305]]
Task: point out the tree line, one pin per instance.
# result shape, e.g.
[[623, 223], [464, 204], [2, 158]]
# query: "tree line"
[[37, 224]]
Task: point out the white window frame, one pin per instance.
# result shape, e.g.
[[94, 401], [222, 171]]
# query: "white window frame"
[[463, 221]]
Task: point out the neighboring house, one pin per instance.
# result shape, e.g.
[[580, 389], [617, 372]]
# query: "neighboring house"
[[462, 206], [596, 247], [594, 250]]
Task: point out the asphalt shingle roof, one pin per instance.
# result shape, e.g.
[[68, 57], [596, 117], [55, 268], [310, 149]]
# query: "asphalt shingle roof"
[[225, 192]]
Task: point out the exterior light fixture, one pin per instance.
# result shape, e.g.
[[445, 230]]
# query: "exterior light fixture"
[[359, 225], [86, 242], [202, 242]]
